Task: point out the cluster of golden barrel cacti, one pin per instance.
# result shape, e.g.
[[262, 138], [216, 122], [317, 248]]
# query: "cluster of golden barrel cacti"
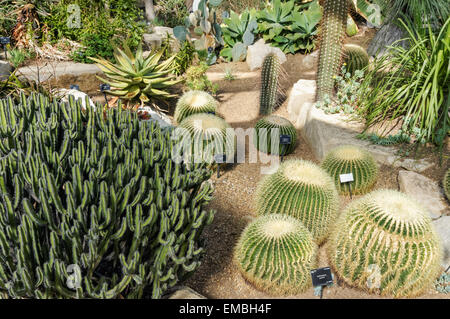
[[382, 242]]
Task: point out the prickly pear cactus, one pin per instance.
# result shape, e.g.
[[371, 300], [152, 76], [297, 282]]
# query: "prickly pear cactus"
[[352, 159], [333, 28], [193, 102], [385, 243], [303, 190], [446, 184], [276, 254], [92, 205], [274, 125], [355, 57], [269, 84]]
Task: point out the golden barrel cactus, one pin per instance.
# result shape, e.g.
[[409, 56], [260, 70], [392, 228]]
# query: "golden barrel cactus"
[[193, 102]]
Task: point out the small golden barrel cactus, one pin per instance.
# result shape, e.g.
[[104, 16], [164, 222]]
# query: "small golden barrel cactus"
[[263, 134], [210, 135], [446, 184], [355, 57], [194, 102], [384, 242], [352, 159], [276, 253], [302, 190]]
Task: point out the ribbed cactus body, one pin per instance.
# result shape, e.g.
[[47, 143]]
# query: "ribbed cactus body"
[[303, 190], [276, 254], [355, 57], [211, 136], [269, 84], [351, 159], [94, 200], [446, 184], [274, 126], [384, 242], [333, 27], [194, 102]]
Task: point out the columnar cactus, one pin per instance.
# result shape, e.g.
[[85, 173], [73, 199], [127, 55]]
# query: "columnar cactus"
[[269, 84], [333, 27], [355, 57], [194, 102], [276, 254], [384, 242], [210, 136], [446, 184], [92, 205], [263, 134], [351, 159], [303, 190]]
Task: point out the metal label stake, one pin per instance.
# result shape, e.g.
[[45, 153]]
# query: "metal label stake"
[[347, 179], [4, 41], [322, 278], [103, 88], [74, 87], [219, 159], [284, 140]]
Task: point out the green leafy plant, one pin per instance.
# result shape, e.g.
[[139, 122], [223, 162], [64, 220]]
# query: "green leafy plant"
[[136, 79], [303, 190], [16, 57], [385, 243], [442, 284], [411, 84], [92, 204], [171, 13], [229, 75], [183, 58], [193, 102], [351, 159], [238, 33], [196, 79], [398, 138], [276, 253], [264, 129], [286, 27]]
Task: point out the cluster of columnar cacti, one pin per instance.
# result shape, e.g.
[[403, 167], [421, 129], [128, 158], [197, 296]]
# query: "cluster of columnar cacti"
[[384, 242], [355, 57], [333, 26], [276, 253], [194, 102], [269, 94], [269, 129], [351, 159], [209, 135], [446, 184], [303, 190], [93, 206]]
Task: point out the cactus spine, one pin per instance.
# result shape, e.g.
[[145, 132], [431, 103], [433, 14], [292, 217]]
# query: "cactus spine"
[[446, 184], [355, 57], [276, 254], [351, 159], [303, 190], [263, 134], [269, 84], [333, 27], [384, 242], [193, 102]]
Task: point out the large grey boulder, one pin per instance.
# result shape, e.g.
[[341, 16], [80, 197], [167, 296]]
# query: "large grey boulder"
[[185, 293], [442, 227], [64, 94], [148, 114], [51, 70], [155, 39], [258, 51], [426, 191], [5, 70]]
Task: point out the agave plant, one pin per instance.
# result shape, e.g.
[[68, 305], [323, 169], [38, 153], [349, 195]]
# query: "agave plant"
[[136, 79]]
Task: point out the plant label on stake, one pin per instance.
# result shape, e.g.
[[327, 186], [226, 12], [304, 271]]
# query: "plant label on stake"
[[220, 158], [321, 278], [347, 179], [4, 41], [284, 140], [74, 87], [103, 88]]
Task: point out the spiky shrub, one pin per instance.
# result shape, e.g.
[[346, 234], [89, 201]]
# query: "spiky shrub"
[[193, 102], [138, 80], [276, 254], [270, 72], [333, 26], [303, 190], [209, 135], [351, 159], [446, 184], [355, 57], [95, 201], [384, 242], [276, 126]]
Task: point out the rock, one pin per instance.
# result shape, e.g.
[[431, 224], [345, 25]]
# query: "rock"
[[426, 191], [51, 70], [258, 51], [442, 227], [150, 115], [303, 92], [5, 70], [186, 293], [386, 36], [311, 60], [63, 95], [155, 39]]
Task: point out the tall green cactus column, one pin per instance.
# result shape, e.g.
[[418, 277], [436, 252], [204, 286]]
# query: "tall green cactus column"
[[334, 22], [269, 84]]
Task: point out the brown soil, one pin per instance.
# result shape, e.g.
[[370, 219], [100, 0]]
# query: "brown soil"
[[218, 277]]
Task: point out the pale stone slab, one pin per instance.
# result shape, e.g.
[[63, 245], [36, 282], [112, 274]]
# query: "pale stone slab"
[[186, 293], [442, 226], [258, 51]]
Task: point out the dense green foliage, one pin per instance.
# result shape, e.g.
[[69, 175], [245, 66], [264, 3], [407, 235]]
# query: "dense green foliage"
[[170, 13], [196, 78], [93, 201]]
